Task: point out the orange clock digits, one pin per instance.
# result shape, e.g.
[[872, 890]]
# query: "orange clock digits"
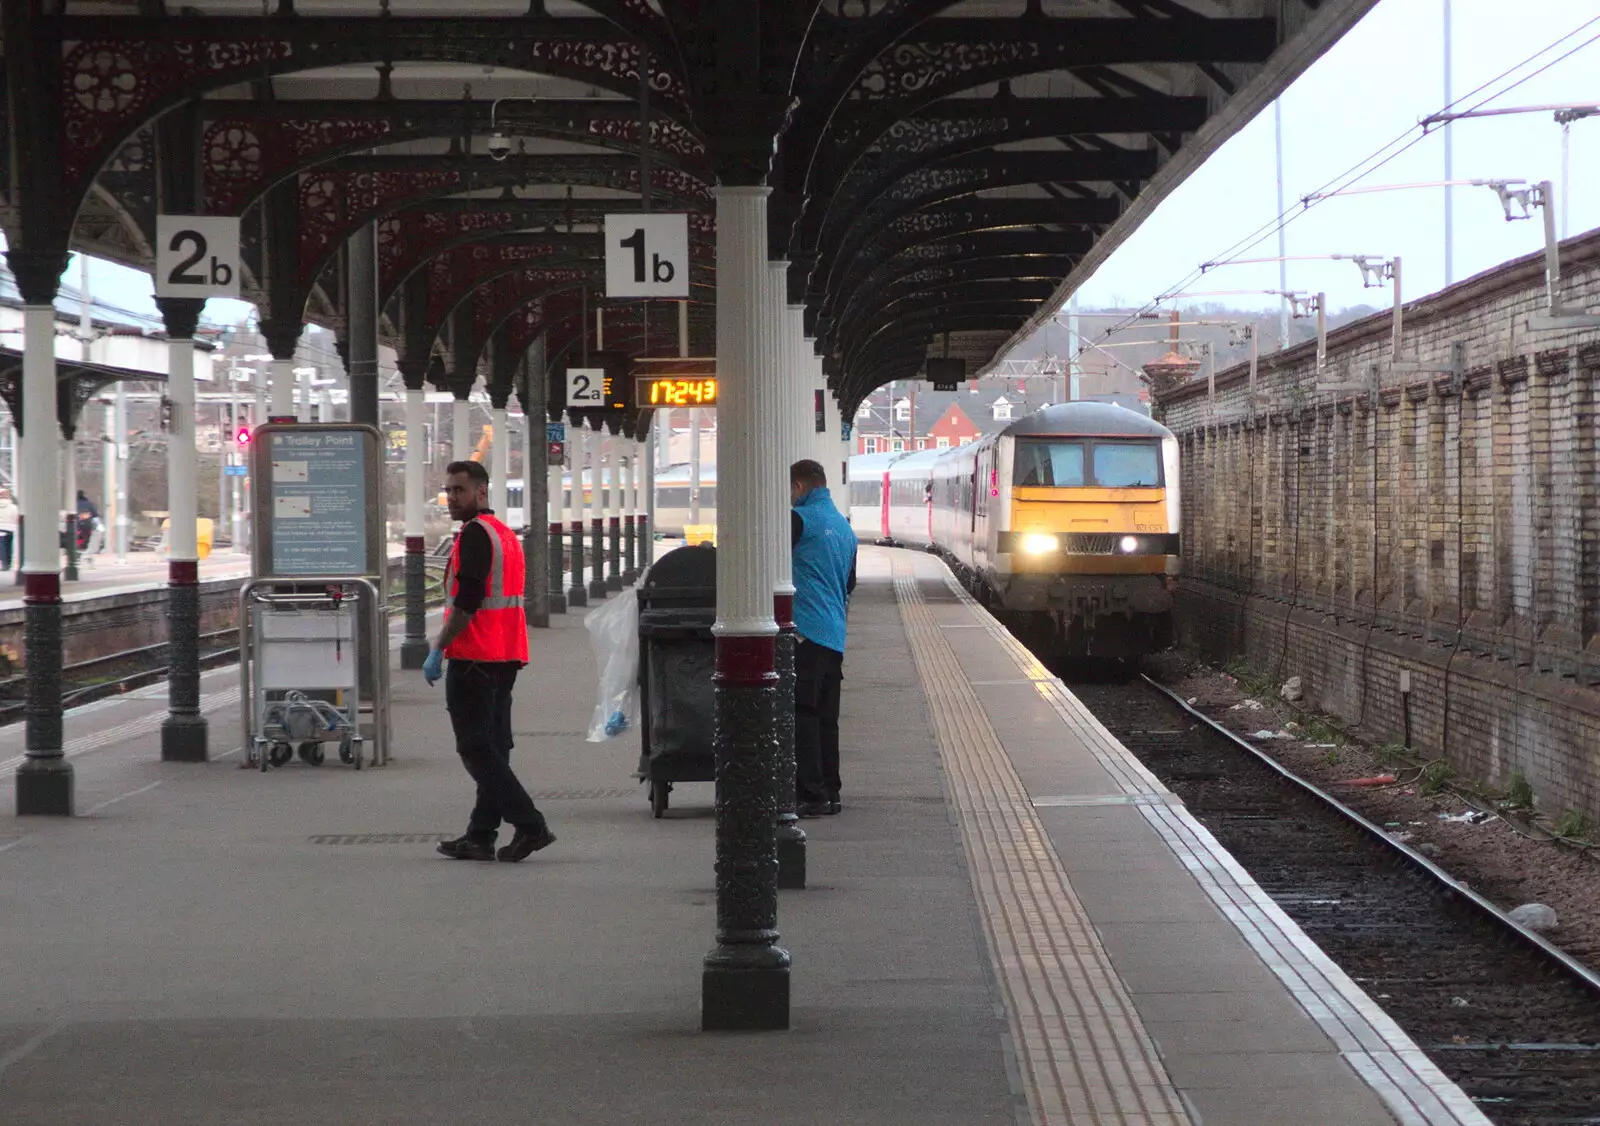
[[667, 391]]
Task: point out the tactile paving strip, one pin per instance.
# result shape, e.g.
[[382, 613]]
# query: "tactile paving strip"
[[1084, 1054], [1415, 1091]]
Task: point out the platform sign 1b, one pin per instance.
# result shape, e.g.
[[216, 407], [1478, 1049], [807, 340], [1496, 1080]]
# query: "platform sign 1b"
[[197, 256], [647, 255]]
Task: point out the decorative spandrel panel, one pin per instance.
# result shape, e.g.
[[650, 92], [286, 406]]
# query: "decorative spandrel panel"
[[241, 158], [119, 72]]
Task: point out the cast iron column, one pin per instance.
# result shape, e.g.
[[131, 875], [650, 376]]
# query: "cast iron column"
[[778, 433], [183, 732], [745, 980], [614, 512], [597, 524], [577, 593], [414, 647], [44, 780], [630, 539]]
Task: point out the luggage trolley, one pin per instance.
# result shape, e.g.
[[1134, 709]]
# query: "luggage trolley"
[[295, 643]]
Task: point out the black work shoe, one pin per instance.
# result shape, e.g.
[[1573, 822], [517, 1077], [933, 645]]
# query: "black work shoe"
[[812, 809], [467, 848], [526, 843], [834, 807]]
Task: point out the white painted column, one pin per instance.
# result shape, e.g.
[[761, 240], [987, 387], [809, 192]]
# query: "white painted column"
[[119, 436], [460, 438], [578, 526], [305, 393], [182, 502], [40, 462], [532, 439], [779, 428], [110, 509], [415, 466], [558, 502], [500, 460], [283, 388], [745, 471]]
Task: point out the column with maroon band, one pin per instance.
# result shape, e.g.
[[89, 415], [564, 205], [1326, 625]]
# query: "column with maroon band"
[[44, 780], [183, 732], [577, 593], [414, 647], [597, 520], [614, 512], [630, 503], [778, 431], [745, 980]]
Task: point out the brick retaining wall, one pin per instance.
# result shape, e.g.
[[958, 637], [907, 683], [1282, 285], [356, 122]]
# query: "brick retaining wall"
[[1450, 528]]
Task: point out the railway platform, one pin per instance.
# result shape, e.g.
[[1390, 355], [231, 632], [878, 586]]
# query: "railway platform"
[[105, 576], [1011, 921]]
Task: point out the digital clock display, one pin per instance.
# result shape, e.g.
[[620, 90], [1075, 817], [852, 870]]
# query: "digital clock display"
[[677, 391]]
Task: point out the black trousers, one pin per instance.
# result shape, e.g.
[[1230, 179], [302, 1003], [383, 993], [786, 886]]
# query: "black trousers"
[[478, 697], [818, 675]]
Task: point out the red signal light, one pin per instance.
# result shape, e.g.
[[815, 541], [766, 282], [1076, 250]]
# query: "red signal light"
[[242, 436]]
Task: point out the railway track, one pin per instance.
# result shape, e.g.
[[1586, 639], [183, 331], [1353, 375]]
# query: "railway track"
[[1507, 1016]]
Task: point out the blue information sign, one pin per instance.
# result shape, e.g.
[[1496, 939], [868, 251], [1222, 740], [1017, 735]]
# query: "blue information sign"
[[555, 432], [235, 470], [319, 503]]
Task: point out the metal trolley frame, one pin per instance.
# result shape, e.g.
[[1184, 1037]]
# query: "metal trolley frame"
[[289, 642]]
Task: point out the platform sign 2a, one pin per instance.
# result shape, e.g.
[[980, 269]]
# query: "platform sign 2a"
[[317, 493], [647, 255], [586, 388], [197, 256]]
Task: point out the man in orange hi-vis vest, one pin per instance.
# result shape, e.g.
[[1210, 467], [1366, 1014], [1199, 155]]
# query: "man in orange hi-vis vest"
[[485, 636]]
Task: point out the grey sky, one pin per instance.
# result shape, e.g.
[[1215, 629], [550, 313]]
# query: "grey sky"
[[1372, 86]]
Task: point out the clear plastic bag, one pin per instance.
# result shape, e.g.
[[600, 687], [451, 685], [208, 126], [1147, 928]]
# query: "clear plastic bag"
[[614, 635]]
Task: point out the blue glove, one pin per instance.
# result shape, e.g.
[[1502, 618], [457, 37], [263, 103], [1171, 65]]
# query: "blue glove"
[[433, 667]]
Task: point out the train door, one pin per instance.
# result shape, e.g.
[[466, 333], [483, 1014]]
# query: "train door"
[[883, 512], [927, 502]]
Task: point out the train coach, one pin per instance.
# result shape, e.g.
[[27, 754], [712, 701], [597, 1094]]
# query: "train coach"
[[1066, 521]]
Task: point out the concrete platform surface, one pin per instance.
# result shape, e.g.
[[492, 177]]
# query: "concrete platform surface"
[[222, 946], [1010, 922]]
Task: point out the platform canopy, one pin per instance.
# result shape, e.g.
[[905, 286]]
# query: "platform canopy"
[[943, 172]]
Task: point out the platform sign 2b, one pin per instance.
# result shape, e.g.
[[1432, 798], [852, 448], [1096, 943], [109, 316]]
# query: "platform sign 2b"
[[197, 256], [647, 255]]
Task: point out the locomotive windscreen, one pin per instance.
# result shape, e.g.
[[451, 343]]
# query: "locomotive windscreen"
[[1076, 463]]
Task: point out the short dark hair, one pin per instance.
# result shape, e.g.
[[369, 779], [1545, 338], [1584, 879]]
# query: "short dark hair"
[[808, 473], [473, 469]]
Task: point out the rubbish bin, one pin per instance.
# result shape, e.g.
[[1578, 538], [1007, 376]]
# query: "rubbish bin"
[[677, 655], [7, 537]]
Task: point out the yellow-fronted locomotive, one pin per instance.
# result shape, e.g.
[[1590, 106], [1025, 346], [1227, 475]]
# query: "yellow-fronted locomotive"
[[1066, 520]]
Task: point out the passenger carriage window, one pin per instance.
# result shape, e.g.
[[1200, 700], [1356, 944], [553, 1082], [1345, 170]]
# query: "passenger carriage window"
[[1127, 465], [1044, 462]]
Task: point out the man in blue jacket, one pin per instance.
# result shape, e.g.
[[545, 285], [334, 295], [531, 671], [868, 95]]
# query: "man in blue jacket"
[[824, 554]]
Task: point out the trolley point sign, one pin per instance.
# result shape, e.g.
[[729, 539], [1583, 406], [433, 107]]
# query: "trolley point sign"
[[315, 492]]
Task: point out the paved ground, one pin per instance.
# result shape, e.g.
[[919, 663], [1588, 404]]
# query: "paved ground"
[[1011, 921], [191, 954]]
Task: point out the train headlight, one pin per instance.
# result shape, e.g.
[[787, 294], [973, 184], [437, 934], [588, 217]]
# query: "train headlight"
[[1129, 545], [1039, 543]]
